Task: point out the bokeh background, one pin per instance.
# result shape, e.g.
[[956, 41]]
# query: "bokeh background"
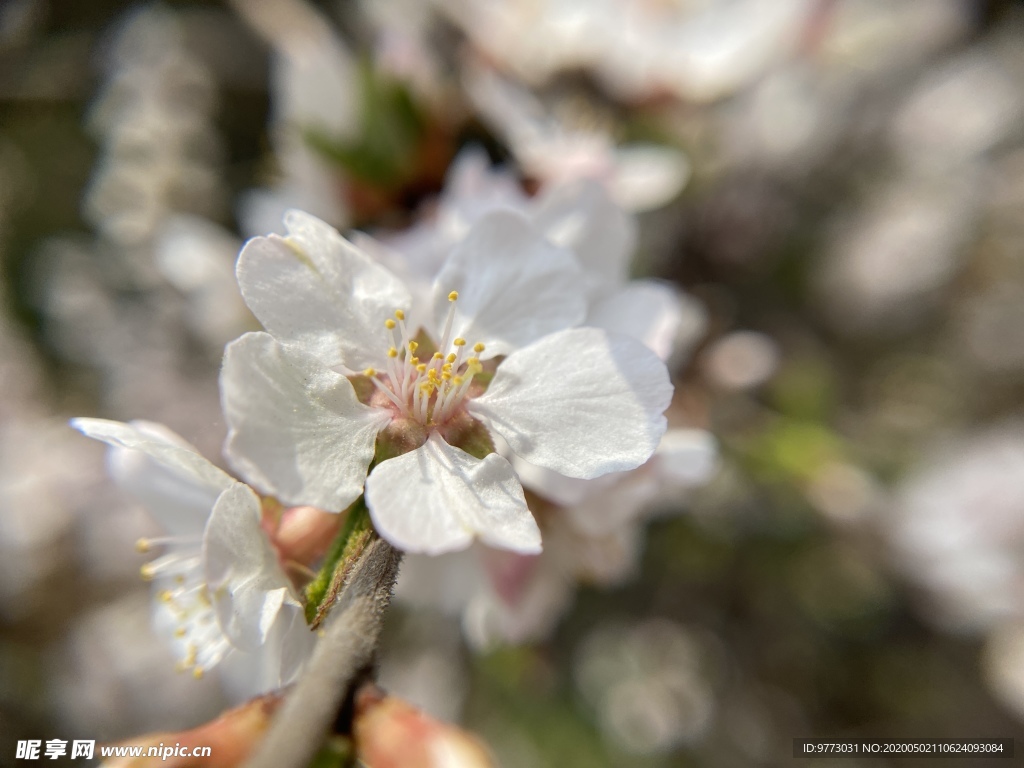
[[851, 222]]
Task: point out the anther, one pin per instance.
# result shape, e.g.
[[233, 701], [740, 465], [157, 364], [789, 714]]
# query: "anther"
[[453, 296], [451, 357], [459, 342], [479, 347], [421, 367], [392, 352], [146, 572], [389, 324], [197, 673], [369, 372], [413, 346], [142, 546], [400, 314], [437, 356]]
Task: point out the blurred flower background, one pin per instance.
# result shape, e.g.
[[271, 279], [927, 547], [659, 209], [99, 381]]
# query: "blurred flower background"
[[831, 193]]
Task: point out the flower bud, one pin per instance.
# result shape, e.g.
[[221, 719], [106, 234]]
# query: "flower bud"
[[232, 737], [389, 733], [304, 534]]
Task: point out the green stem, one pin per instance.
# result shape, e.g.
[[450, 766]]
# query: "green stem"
[[356, 524]]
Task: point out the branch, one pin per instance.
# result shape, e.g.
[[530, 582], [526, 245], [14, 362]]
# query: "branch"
[[351, 637]]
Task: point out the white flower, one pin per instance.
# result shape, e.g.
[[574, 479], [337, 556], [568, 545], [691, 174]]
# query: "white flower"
[[218, 585], [957, 529], [580, 401]]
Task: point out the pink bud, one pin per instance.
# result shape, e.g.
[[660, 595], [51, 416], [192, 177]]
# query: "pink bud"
[[389, 733], [304, 534], [232, 737]]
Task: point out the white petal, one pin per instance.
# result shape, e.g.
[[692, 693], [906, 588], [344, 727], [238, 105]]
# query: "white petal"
[[582, 402], [296, 646], [439, 498], [246, 583], [686, 457], [168, 475], [489, 621], [514, 285], [315, 290], [275, 664], [314, 79], [296, 430], [647, 176], [581, 216], [651, 312], [619, 505]]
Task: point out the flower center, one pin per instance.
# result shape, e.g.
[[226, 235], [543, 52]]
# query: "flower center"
[[427, 391]]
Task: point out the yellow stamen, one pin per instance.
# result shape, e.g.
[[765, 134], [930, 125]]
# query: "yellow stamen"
[[457, 381], [446, 376], [421, 367], [453, 296], [413, 346], [392, 352], [400, 314], [146, 572], [369, 372], [414, 360], [389, 324], [479, 347], [473, 361], [197, 673], [142, 546], [165, 596], [459, 342], [451, 357], [437, 356]]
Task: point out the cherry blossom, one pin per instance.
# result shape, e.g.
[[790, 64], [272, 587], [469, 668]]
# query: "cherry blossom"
[[219, 590], [501, 356]]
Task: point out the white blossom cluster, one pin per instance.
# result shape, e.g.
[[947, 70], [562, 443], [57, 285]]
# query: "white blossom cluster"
[[434, 374]]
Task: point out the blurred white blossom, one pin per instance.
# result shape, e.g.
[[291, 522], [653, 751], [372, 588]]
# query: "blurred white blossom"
[[958, 529], [648, 684]]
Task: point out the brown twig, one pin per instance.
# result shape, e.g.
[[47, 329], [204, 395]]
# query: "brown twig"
[[347, 647]]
